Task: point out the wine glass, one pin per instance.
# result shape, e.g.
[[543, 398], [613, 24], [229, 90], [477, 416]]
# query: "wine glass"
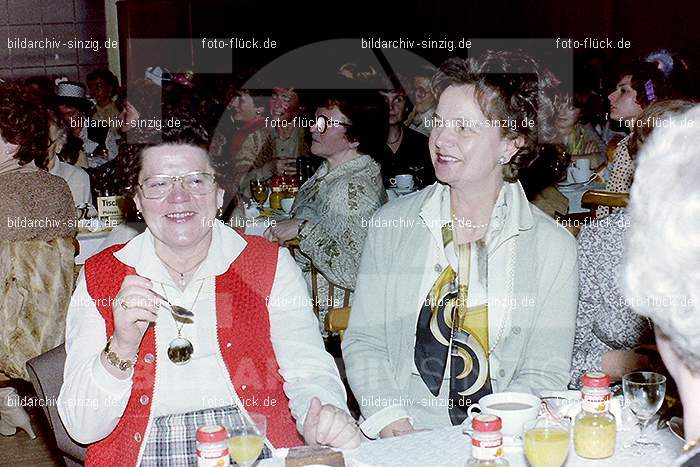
[[546, 441], [644, 393], [258, 189], [247, 437]]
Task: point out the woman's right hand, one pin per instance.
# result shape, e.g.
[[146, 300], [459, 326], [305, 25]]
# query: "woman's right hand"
[[133, 309]]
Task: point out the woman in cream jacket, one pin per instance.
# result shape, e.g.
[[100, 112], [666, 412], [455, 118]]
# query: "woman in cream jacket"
[[464, 288]]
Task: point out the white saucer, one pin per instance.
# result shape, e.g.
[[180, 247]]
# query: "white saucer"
[[402, 191], [676, 427]]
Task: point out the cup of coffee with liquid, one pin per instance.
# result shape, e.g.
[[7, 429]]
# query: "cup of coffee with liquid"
[[402, 182], [514, 409]]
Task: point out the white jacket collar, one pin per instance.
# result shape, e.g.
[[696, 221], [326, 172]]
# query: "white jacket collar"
[[140, 254], [511, 213]]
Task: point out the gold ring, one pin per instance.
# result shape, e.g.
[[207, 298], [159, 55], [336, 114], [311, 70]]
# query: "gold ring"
[[122, 302]]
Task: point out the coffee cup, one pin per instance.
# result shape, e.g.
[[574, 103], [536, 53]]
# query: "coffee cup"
[[513, 408], [581, 170], [402, 182], [287, 204]]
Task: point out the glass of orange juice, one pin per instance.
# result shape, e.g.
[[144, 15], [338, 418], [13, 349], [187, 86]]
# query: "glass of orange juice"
[[247, 437], [547, 442]]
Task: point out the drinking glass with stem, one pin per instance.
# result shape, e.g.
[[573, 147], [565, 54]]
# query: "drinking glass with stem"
[[644, 393], [258, 188]]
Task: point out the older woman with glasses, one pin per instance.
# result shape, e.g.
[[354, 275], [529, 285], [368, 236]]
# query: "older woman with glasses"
[[191, 322], [331, 212]]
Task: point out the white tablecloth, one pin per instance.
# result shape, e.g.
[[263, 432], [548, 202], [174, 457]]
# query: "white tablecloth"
[[89, 244], [258, 225], [449, 447]]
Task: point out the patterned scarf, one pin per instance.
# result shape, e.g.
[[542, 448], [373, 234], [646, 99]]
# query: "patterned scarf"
[[447, 326]]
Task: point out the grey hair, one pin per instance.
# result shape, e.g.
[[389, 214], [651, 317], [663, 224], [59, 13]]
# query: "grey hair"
[[661, 267]]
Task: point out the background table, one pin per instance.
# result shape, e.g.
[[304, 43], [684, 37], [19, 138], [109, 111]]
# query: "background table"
[[574, 195], [450, 447], [89, 244], [258, 225]]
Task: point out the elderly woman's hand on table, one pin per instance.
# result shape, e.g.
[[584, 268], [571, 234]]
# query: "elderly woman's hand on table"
[[282, 231], [330, 426]]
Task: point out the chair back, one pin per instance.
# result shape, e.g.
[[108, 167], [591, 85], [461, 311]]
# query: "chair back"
[[317, 276], [337, 320], [596, 198], [46, 375]]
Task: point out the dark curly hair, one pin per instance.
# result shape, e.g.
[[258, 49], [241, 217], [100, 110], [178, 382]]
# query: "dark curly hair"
[[508, 86], [24, 122], [649, 82], [367, 113], [188, 131], [106, 76], [144, 95]]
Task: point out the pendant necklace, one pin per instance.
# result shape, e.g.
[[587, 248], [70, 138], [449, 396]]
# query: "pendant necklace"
[[180, 349], [181, 275]]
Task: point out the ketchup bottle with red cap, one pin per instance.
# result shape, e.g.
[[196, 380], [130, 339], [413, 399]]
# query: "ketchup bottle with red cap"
[[595, 430], [487, 442]]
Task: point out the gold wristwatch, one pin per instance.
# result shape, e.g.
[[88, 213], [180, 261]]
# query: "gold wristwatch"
[[116, 360]]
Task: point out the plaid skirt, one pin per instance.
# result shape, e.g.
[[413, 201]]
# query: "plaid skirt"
[[172, 440]]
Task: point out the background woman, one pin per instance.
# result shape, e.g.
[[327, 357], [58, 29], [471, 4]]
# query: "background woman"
[[77, 179], [639, 85], [332, 208], [471, 243], [661, 269], [37, 228], [424, 99], [151, 372], [406, 150], [609, 336]]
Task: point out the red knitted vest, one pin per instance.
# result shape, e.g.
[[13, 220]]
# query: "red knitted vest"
[[243, 331]]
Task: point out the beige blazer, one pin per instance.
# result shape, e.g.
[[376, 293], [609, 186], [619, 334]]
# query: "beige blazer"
[[532, 296]]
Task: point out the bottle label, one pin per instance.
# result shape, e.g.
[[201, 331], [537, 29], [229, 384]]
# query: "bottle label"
[[209, 458], [596, 403], [487, 450]]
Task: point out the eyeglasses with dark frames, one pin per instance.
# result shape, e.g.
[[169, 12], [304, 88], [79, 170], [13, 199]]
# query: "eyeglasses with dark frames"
[[323, 123]]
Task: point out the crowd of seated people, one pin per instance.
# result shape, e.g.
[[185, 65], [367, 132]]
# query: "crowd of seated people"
[[466, 262]]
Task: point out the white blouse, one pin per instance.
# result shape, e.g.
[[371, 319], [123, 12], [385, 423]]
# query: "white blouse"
[[92, 401]]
